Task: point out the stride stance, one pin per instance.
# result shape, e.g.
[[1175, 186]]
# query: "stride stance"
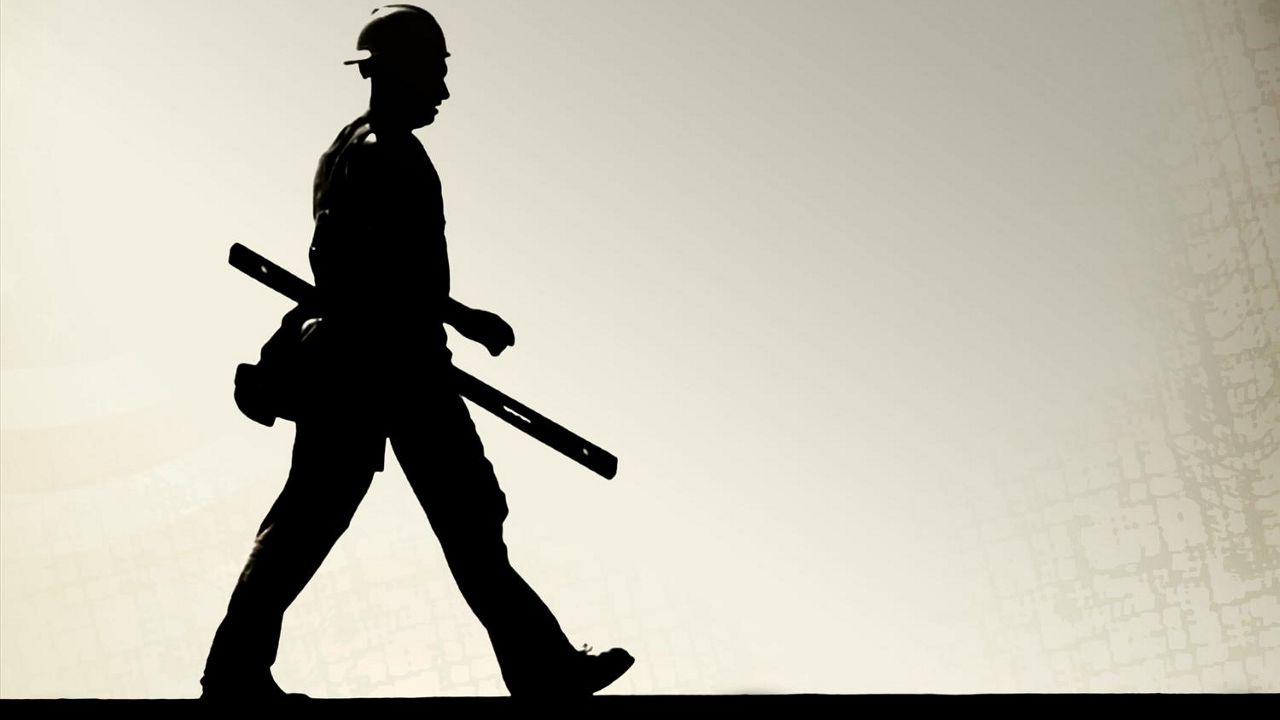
[[375, 368]]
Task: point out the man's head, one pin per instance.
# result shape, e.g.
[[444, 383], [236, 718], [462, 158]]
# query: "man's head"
[[403, 53]]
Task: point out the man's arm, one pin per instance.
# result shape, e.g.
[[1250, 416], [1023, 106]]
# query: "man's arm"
[[481, 326], [454, 312]]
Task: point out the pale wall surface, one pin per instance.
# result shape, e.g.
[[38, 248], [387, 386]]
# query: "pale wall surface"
[[938, 341]]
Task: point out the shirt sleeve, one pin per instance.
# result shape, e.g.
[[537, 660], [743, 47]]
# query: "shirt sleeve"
[[340, 254], [379, 248]]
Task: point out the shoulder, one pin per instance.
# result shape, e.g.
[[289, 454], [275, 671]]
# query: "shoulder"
[[356, 140], [368, 153], [346, 157], [356, 149], [364, 139]]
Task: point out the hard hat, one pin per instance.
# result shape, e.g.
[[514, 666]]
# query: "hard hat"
[[400, 30]]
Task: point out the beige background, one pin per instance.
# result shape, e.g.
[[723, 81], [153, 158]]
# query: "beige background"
[[937, 340]]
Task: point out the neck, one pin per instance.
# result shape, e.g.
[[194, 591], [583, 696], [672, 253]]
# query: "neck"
[[385, 121]]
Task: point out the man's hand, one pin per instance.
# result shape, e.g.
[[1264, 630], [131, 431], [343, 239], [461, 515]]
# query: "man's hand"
[[483, 327], [490, 331]]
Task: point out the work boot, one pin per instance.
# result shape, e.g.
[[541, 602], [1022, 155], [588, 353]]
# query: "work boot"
[[579, 674], [575, 674], [588, 674], [257, 688]]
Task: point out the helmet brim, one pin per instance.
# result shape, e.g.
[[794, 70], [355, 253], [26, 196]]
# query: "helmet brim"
[[360, 56], [365, 56]]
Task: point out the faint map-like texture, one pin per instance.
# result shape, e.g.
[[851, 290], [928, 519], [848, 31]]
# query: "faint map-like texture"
[[1144, 554], [1137, 552]]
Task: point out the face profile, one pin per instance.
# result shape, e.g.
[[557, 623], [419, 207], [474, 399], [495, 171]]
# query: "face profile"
[[410, 90]]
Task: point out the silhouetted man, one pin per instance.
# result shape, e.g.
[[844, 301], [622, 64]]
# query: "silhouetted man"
[[378, 364]]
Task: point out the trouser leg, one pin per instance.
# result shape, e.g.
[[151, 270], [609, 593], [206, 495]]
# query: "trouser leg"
[[330, 473], [444, 461]]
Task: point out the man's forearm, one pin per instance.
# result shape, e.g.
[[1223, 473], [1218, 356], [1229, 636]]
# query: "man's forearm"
[[454, 311]]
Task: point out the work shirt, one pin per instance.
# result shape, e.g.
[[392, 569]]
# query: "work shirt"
[[380, 259]]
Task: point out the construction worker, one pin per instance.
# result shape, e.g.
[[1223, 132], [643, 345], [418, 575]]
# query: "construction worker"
[[377, 370]]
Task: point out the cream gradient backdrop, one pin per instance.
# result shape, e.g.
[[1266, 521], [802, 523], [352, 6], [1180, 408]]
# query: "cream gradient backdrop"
[[937, 340]]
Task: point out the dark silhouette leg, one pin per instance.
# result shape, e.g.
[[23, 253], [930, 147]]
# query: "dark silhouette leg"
[[331, 472], [443, 458]]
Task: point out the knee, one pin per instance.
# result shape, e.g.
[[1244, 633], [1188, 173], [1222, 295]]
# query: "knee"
[[302, 530], [329, 523]]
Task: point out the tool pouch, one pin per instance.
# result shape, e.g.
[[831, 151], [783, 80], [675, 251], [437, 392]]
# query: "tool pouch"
[[279, 385]]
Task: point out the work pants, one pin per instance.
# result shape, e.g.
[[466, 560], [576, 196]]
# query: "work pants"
[[334, 459]]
